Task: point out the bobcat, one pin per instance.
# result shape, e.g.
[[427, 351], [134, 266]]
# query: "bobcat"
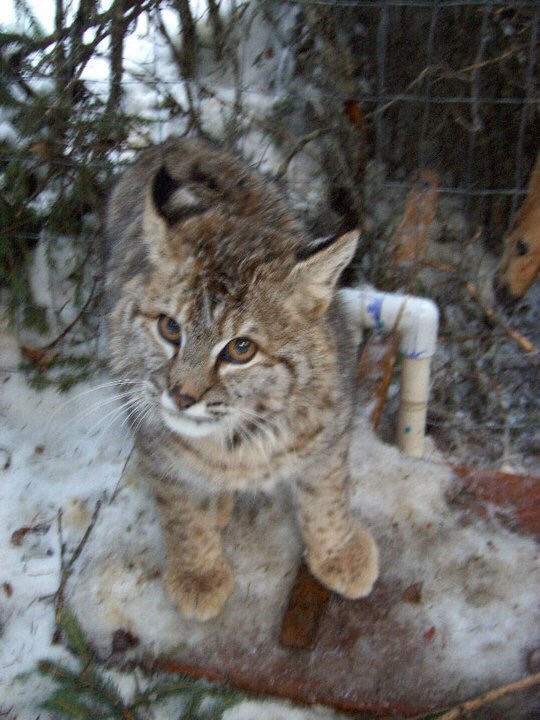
[[229, 337]]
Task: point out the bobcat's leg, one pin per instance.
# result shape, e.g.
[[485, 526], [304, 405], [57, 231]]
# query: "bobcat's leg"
[[225, 507], [340, 554], [197, 577]]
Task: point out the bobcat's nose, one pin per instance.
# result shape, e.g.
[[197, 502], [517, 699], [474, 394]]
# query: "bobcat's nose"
[[182, 400]]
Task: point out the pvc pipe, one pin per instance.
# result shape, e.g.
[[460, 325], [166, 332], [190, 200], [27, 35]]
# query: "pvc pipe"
[[417, 321], [411, 424]]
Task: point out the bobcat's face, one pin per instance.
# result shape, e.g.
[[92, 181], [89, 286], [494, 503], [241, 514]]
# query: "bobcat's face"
[[207, 366]]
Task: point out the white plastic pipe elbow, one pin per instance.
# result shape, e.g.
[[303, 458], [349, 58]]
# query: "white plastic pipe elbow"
[[417, 321]]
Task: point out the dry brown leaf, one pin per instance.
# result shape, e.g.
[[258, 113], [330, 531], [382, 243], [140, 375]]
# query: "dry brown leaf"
[[409, 241], [17, 537], [413, 593], [41, 357], [353, 111]]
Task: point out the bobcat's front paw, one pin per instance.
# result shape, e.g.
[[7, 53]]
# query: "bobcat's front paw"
[[350, 570], [199, 594]]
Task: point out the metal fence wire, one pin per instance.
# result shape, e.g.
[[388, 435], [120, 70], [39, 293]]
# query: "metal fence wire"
[[451, 86]]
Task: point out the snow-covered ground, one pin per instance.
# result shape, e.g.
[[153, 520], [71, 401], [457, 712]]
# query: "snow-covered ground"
[[64, 453]]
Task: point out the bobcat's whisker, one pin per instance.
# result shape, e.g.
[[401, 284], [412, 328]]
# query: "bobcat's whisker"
[[142, 404], [269, 426], [137, 407], [99, 404], [113, 383], [252, 429], [266, 425], [142, 417], [110, 383], [115, 413], [96, 406]]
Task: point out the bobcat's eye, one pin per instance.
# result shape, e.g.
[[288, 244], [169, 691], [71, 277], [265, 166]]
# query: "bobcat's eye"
[[239, 351], [522, 247], [169, 330]]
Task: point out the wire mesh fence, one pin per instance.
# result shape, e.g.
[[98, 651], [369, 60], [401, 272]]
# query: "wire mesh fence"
[[451, 86], [467, 124]]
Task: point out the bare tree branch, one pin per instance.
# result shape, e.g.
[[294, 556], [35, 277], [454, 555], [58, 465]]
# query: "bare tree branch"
[[189, 39], [119, 27]]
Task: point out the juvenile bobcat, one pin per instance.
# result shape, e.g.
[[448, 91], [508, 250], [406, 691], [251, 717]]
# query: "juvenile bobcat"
[[227, 329]]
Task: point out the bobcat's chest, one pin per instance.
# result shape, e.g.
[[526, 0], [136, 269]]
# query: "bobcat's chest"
[[235, 468]]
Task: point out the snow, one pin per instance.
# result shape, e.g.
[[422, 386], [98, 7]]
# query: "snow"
[[64, 453], [480, 582]]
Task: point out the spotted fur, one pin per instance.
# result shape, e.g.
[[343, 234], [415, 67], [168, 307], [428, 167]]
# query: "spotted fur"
[[200, 239]]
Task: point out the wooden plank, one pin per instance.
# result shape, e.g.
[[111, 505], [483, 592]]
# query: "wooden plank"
[[307, 605], [513, 499]]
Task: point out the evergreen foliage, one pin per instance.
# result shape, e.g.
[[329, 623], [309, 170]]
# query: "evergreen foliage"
[[89, 692], [60, 145]]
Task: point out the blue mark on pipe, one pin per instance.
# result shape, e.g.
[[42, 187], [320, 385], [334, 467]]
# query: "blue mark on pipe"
[[374, 309], [414, 354], [407, 429]]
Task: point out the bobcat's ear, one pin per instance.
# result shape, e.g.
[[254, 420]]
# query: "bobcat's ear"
[[318, 268], [171, 200], [167, 203]]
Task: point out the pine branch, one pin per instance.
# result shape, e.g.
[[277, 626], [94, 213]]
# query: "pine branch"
[[83, 18], [70, 704], [99, 21], [300, 145], [90, 693], [59, 16]]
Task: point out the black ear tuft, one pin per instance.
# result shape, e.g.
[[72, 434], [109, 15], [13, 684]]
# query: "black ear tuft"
[[200, 176], [162, 189], [313, 248], [172, 201]]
